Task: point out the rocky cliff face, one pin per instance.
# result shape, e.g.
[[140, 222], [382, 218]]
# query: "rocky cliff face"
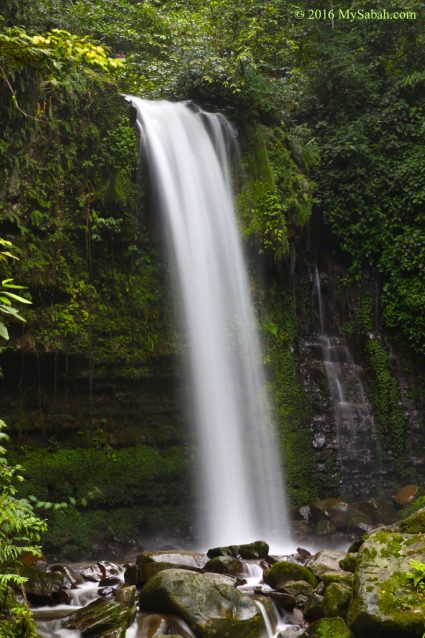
[[364, 385]]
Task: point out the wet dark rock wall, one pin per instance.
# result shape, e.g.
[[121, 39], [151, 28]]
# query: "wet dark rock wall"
[[379, 444]]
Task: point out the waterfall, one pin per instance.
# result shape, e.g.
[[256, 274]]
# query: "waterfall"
[[355, 427], [240, 485]]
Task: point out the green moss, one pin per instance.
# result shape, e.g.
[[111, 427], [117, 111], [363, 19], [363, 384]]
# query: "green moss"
[[329, 628], [360, 322], [72, 209], [390, 541], [128, 491], [386, 403], [276, 198], [284, 571], [292, 406], [397, 598], [418, 504], [336, 600]]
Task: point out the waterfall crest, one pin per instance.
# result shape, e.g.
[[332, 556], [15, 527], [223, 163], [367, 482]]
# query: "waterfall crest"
[[241, 485]]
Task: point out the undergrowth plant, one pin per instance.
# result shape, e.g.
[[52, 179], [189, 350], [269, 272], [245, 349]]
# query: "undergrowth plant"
[[20, 534], [20, 528], [417, 575]]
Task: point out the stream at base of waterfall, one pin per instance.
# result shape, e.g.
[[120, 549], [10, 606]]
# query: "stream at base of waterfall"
[[51, 621]]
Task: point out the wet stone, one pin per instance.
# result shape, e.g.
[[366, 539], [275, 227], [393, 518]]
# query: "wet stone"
[[225, 565], [336, 600], [325, 561], [314, 608], [102, 619], [284, 571], [209, 603], [255, 550], [332, 627], [110, 581]]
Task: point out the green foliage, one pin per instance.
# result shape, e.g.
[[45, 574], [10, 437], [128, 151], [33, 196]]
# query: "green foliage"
[[385, 397], [54, 52], [292, 409], [365, 104], [403, 295], [8, 298], [132, 490], [417, 575], [20, 533], [417, 504], [276, 198]]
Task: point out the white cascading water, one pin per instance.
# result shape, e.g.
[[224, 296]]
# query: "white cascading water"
[[241, 483], [355, 426]]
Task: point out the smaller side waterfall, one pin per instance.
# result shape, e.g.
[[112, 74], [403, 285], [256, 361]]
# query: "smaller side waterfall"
[[355, 427]]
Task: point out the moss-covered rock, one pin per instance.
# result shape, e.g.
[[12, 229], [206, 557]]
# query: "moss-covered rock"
[[336, 600], [298, 587], [284, 571], [343, 578], [348, 563], [255, 550], [329, 628], [228, 550], [150, 563], [126, 595], [314, 608], [325, 561], [321, 509], [208, 603], [102, 619], [43, 587], [384, 599], [413, 524]]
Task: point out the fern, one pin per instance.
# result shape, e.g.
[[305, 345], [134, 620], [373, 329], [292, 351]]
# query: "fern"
[[417, 575], [20, 533]]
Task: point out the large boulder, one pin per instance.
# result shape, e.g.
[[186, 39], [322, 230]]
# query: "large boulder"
[[284, 571], [321, 509], [379, 511], [209, 603], [150, 563], [313, 610], [255, 550], [336, 600], [225, 565], [385, 600], [44, 587], [325, 561], [348, 563], [342, 578], [156, 625], [333, 514], [414, 524], [102, 619]]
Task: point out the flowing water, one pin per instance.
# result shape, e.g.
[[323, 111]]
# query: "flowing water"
[[241, 485], [355, 427]]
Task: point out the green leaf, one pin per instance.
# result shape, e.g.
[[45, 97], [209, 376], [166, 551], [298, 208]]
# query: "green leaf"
[[17, 297], [3, 331]]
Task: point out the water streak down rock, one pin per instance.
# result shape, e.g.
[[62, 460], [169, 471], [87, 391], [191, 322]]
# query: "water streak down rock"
[[241, 486]]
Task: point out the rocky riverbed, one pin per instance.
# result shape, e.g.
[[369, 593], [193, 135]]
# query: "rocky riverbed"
[[242, 591]]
